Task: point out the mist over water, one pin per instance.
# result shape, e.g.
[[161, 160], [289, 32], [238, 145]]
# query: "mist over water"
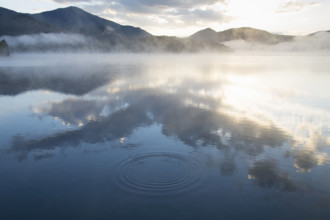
[[79, 43], [315, 43], [189, 136]]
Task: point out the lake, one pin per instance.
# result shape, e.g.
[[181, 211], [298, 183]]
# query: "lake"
[[151, 136]]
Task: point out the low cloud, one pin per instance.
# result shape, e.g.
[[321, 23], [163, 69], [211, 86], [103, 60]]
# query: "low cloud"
[[319, 42], [45, 41]]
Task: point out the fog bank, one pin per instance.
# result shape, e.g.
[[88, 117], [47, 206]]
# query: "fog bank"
[[318, 42], [65, 42], [47, 42]]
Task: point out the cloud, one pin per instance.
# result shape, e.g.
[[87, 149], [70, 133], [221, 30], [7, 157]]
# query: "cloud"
[[120, 124], [155, 5], [147, 4], [305, 160], [189, 124], [72, 111], [318, 42], [45, 40], [266, 174], [295, 6], [73, 1], [190, 15]]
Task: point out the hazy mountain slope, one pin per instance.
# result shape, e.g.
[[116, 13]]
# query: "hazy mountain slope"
[[175, 45], [207, 34], [319, 32], [253, 35], [244, 33], [14, 23]]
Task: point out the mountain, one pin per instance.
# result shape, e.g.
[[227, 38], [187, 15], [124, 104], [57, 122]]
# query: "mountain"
[[65, 25], [245, 33], [73, 29], [67, 20], [73, 19], [99, 34], [14, 24], [175, 45], [207, 34]]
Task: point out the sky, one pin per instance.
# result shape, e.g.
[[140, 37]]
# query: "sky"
[[184, 17]]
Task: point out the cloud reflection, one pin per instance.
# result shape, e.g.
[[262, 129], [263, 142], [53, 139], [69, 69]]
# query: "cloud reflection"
[[266, 174], [305, 160], [73, 111], [193, 126], [120, 124]]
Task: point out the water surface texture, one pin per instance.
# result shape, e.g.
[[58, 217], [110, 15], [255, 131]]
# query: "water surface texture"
[[165, 136]]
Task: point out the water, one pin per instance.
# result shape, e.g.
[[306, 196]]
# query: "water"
[[229, 136]]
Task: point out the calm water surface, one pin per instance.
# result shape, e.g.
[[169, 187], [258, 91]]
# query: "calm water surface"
[[165, 136]]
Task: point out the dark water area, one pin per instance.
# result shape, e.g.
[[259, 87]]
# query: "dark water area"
[[123, 136]]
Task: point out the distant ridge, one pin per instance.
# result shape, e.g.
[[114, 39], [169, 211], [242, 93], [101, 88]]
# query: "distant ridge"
[[90, 32], [318, 32], [245, 33], [207, 34]]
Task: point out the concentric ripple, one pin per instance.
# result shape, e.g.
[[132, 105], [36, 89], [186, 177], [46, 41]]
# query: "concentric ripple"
[[160, 174]]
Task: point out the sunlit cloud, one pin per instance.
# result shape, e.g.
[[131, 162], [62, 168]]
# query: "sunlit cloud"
[[180, 18], [296, 5], [185, 17]]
